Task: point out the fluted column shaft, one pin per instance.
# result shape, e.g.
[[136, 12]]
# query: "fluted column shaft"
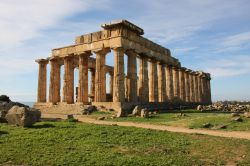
[[153, 82], [42, 81], [209, 91], [111, 80], [92, 83], [54, 90], [187, 86], [68, 87], [203, 89], [182, 85], [191, 80], [195, 87], [132, 76], [199, 88], [176, 83], [100, 76], [119, 89], [83, 78], [143, 80], [169, 82], [161, 82]]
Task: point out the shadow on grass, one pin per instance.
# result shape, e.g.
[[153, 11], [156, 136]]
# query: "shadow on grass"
[[41, 126], [3, 132]]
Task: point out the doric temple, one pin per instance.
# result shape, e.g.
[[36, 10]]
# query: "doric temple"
[[153, 76]]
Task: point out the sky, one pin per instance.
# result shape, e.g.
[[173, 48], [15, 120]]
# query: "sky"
[[208, 35]]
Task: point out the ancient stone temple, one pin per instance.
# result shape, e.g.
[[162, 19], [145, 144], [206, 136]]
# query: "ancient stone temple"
[[153, 77]]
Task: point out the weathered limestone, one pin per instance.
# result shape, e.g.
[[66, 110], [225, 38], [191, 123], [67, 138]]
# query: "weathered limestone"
[[55, 79], [153, 81], [207, 89], [92, 83], [161, 82], [83, 78], [68, 87], [192, 93], [119, 89], [199, 77], [111, 80], [195, 81], [176, 83], [42, 80], [143, 80], [169, 80], [100, 75], [132, 76], [182, 84], [187, 85]]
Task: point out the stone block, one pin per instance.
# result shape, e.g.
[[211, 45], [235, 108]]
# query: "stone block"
[[22, 116]]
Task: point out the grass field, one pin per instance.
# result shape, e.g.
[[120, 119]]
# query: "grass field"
[[192, 119], [70, 143]]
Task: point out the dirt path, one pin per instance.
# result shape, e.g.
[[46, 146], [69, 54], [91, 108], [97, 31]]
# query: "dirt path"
[[229, 134]]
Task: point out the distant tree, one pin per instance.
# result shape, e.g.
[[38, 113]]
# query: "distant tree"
[[5, 98]]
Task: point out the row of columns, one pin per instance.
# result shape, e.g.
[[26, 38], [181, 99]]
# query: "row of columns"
[[163, 83]]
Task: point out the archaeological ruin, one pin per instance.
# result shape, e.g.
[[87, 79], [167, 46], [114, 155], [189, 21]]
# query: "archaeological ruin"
[[152, 76]]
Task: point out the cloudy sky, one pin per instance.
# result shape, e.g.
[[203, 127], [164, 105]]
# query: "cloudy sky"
[[212, 35]]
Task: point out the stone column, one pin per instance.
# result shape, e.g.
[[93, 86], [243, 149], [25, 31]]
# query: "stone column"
[[68, 87], [199, 77], [42, 80], [132, 76], [119, 87], [182, 84], [195, 82], [169, 82], [153, 81], [100, 75], [83, 78], [55, 81], [209, 99], [92, 83], [176, 82], [143, 80], [161, 82], [191, 80], [187, 85], [111, 80]]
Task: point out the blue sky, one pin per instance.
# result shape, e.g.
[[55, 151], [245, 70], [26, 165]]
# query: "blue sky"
[[209, 35]]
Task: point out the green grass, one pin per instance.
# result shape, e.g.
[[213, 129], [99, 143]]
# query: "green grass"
[[193, 119], [70, 143]]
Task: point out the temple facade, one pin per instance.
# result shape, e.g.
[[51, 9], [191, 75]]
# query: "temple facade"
[[153, 75]]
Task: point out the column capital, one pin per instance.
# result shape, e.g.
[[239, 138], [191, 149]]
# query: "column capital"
[[129, 51], [102, 51], [154, 60], [42, 61], [143, 56], [188, 70], [84, 53]]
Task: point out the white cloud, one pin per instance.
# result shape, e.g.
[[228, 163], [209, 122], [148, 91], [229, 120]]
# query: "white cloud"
[[168, 21], [237, 40], [25, 19], [231, 66], [25, 25], [231, 43], [183, 50]]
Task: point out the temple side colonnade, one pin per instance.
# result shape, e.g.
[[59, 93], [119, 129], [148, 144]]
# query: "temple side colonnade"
[[153, 75]]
